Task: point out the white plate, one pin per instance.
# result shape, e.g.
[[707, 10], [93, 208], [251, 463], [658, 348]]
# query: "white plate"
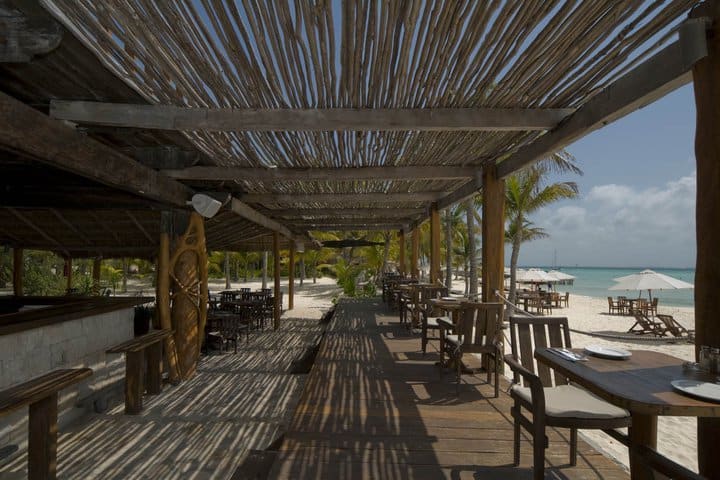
[[607, 352], [449, 299], [704, 390]]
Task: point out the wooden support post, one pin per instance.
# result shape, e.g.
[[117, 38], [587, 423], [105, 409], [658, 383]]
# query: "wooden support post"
[[706, 76], [415, 253], [493, 234], [97, 263], [18, 272], [153, 368], [42, 438], [435, 244], [276, 271], [134, 384], [163, 294], [68, 272], [401, 260], [291, 277]]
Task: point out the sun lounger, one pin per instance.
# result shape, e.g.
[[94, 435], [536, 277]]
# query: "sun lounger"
[[674, 327], [643, 324]]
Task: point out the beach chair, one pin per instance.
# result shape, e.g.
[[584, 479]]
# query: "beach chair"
[[643, 324], [565, 300], [675, 328], [475, 340], [547, 394], [614, 306]]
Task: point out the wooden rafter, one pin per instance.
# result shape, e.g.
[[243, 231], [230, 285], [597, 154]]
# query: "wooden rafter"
[[37, 229], [342, 198], [70, 226], [169, 117], [439, 172], [26, 130], [345, 212], [140, 227]]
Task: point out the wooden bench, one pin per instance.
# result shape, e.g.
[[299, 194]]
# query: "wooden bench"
[[145, 350], [41, 395]]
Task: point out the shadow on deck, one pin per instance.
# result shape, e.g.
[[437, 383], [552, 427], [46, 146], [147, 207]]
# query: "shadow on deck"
[[200, 429], [375, 407]]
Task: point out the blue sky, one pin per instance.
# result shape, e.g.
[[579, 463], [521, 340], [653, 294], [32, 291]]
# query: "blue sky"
[[637, 196]]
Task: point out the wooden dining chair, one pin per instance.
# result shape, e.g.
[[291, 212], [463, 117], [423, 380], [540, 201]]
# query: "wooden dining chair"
[[477, 336], [614, 306], [548, 396], [430, 315]]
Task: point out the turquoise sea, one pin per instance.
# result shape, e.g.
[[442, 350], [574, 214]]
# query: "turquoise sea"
[[595, 281]]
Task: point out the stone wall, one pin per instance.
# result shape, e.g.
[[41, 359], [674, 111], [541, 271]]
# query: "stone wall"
[[75, 343]]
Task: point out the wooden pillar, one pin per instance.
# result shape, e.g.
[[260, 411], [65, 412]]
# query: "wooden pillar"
[[18, 272], [434, 244], [706, 75], [401, 260], [493, 234], [162, 294], [276, 271], [97, 262], [415, 253], [291, 277], [42, 438], [68, 272]]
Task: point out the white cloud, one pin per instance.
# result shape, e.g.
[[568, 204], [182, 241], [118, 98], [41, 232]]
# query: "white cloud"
[[618, 225]]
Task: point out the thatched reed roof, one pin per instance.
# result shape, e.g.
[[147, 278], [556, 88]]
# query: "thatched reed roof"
[[333, 102]]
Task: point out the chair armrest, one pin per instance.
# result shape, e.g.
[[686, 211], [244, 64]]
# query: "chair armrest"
[[445, 325], [536, 386]]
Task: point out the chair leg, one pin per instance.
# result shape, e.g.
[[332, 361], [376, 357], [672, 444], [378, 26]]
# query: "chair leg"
[[573, 447], [497, 382], [423, 341], [516, 434], [539, 440], [458, 366]]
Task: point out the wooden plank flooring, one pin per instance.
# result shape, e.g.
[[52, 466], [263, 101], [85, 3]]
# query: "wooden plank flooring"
[[375, 407]]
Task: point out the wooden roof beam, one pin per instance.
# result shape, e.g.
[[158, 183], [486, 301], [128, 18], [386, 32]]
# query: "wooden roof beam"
[[249, 213], [389, 199], [70, 226], [332, 228], [169, 117], [27, 31], [318, 174], [135, 221], [347, 211], [32, 133], [666, 71], [37, 229]]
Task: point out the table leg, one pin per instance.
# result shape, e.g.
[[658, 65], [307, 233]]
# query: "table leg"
[[643, 431], [42, 439], [153, 360], [133, 382]]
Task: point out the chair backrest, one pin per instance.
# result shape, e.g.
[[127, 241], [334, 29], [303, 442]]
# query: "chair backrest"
[[529, 333], [480, 323], [672, 325]]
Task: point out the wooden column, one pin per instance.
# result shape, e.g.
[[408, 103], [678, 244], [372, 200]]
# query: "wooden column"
[[42, 438], [276, 271], [68, 271], [97, 263], [401, 260], [706, 75], [434, 244], [18, 272], [162, 294], [291, 277], [415, 253], [493, 234]]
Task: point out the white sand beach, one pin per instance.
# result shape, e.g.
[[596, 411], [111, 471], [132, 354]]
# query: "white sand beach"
[[677, 436]]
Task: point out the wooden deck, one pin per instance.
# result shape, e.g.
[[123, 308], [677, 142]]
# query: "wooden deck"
[[374, 407]]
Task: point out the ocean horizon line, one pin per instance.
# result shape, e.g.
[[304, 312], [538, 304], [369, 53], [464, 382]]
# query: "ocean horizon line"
[[558, 267]]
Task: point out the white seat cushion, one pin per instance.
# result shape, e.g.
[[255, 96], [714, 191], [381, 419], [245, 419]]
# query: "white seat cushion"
[[452, 339], [433, 321], [571, 402]]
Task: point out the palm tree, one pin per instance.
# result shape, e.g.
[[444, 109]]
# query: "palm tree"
[[471, 214], [525, 193]]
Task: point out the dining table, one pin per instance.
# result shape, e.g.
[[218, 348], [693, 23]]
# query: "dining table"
[[640, 383]]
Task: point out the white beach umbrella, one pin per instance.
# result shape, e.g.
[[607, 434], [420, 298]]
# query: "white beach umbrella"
[[649, 280], [534, 275], [558, 275]]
